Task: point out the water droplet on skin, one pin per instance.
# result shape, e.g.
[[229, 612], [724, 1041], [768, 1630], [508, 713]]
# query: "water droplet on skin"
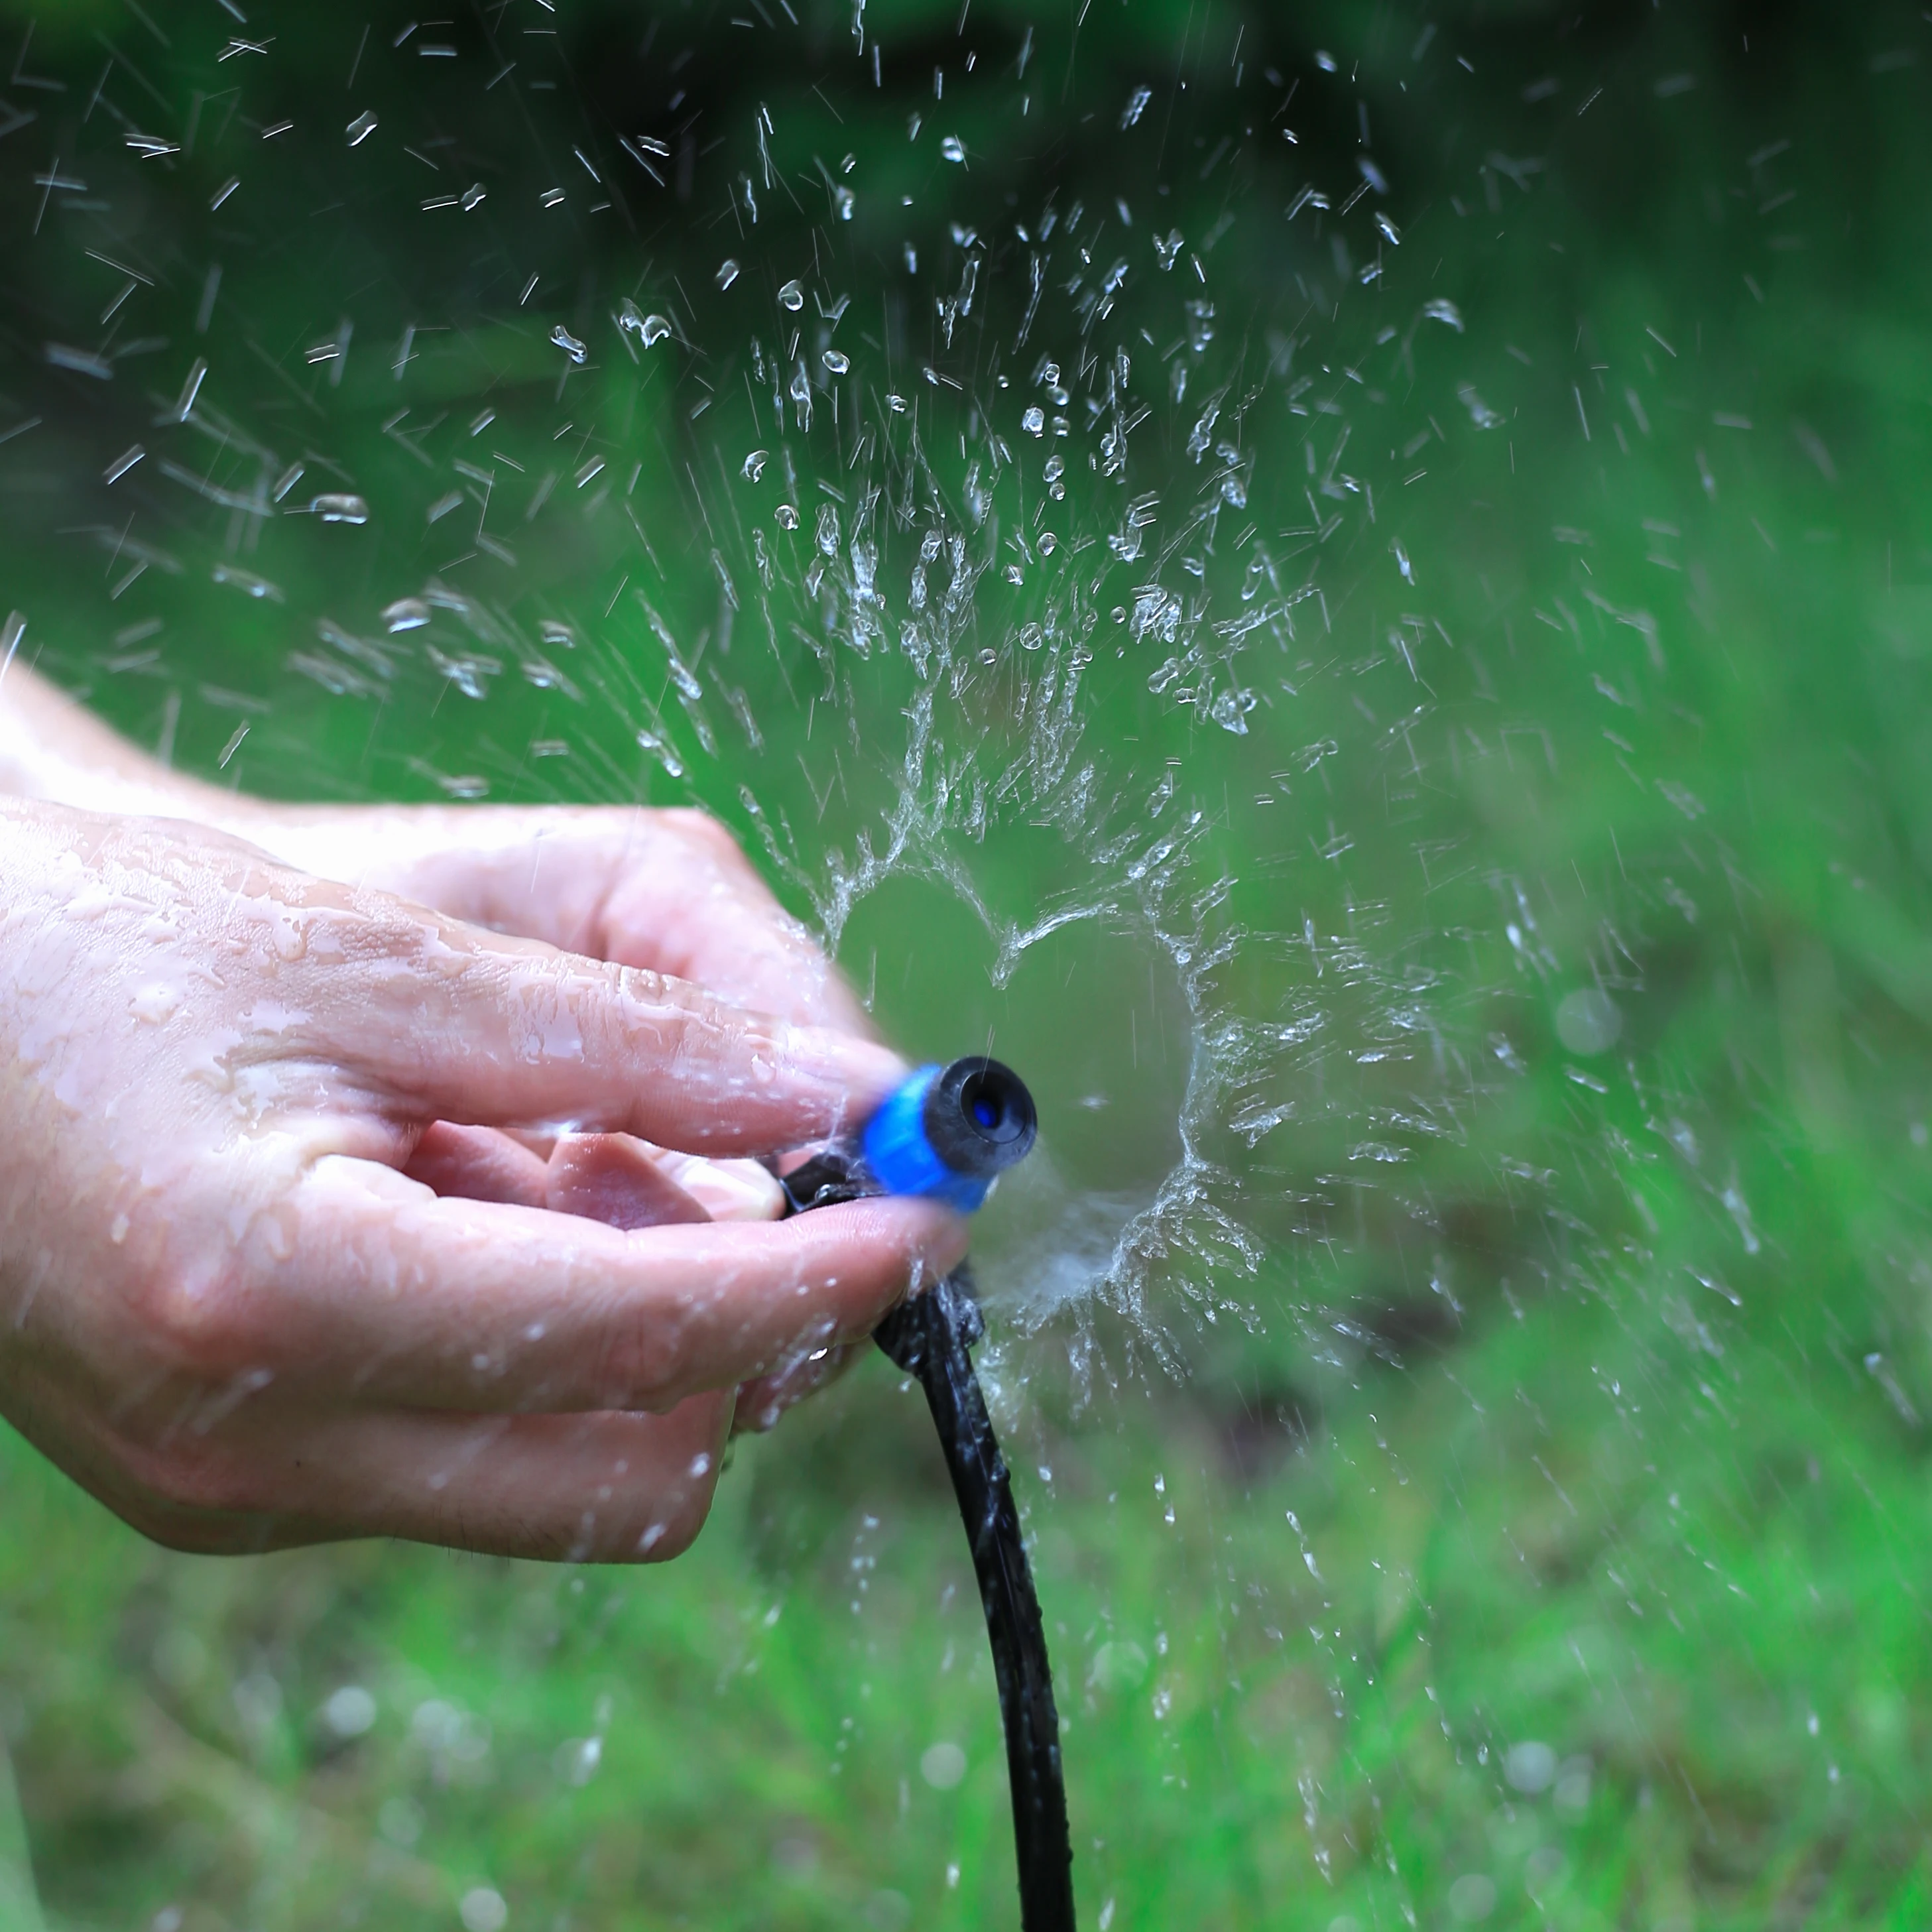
[[569, 344], [792, 297], [156, 1003], [700, 1467]]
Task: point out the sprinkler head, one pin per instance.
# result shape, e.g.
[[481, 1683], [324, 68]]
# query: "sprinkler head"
[[949, 1132]]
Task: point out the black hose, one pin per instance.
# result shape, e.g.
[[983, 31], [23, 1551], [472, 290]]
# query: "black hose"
[[931, 1336]]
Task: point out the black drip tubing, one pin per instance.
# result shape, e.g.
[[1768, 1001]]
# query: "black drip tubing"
[[931, 1337]]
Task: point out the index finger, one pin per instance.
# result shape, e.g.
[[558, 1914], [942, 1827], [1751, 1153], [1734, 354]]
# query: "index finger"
[[688, 902], [398, 1297], [452, 1022]]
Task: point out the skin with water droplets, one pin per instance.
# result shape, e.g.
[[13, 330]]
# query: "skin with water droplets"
[[293, 1246]]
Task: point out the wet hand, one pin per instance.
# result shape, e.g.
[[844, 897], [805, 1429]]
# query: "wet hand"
[[233, 1303], [666, 890]]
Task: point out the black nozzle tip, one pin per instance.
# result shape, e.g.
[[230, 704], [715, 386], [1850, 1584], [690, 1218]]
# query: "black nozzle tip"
[[979, 1117]]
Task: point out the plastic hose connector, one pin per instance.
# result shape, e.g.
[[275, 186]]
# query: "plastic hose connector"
[[949, 1132]]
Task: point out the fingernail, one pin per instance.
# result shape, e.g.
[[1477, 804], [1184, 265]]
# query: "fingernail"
[[727, 1190]]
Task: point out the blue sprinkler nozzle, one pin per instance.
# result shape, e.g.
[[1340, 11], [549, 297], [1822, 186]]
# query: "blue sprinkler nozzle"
[[949, 1132]]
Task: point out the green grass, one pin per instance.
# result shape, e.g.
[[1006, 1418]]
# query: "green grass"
[[1475, 1392]]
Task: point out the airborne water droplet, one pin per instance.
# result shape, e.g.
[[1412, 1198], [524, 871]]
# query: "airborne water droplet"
[[650, 330], [339, 507], [792, 296], [361, 128], [727, 273], [953, 149], [837, 362], [755, 465], [407, 613], [569, 344], [787, 517]]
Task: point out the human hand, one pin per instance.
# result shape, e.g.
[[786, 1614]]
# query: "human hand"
[[225, 1308], [668, 889]]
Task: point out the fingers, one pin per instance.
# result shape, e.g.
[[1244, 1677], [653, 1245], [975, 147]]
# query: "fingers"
[[398, 1298], [594, 1488], [460, 1024], [695, 906], [612, 1178], [666, 890], [477, 1164], [727, 1190], [607, 1488], [762, 1404], [481, 1164]]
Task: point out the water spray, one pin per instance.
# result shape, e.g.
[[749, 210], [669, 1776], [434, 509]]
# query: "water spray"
[[947, 1134]]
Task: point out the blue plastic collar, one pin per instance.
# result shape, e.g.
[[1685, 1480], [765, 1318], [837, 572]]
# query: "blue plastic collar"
[[901, 1157]]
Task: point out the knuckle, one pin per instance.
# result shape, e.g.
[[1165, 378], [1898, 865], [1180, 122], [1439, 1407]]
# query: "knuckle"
[[200, 1328], [641, 1366], [700, 829]]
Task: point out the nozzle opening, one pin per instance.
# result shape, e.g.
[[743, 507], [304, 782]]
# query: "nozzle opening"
[[979, 1117]]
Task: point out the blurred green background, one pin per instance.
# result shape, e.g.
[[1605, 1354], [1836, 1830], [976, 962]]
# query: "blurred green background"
[[1442, 826]]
